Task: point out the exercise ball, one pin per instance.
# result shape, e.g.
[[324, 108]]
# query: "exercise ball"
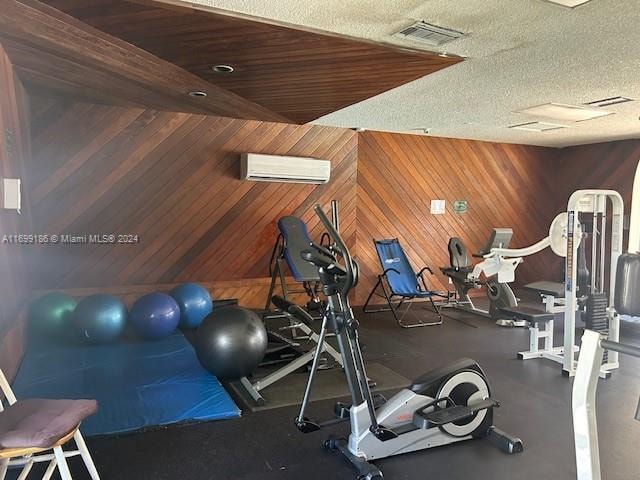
[[195, 303], [155, 315], [99, 318], [231, 342], [50, 315]]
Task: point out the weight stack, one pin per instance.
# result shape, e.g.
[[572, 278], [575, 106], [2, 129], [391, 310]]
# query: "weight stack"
[[627, 300], [595, 317]]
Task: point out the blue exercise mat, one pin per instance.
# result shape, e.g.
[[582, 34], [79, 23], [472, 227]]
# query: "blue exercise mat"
[[137, 384]]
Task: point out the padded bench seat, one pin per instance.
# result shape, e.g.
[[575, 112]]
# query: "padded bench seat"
[[555, 289], [530, 314]]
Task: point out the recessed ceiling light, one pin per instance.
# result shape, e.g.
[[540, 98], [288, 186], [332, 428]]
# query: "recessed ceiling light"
[[569, 3], [198, 94], [567, 113], [537, 126], [222, 68]]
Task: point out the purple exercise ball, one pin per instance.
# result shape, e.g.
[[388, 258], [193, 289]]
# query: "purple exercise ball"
[[155, 315]]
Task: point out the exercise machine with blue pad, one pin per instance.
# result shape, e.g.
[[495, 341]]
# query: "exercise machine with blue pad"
[[293, 238], [292, 345]]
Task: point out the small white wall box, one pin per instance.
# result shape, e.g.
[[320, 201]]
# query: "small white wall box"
[[438, 207], [12, 194]]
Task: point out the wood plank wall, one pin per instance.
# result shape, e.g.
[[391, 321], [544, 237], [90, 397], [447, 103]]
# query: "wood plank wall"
[[603, 165], [14, 148], [172, 179], [505, 186]]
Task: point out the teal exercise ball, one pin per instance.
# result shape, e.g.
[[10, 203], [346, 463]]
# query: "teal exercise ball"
[[195, 304], [50, 315], [99, 318]]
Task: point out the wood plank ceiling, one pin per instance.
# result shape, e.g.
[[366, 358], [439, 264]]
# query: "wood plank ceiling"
[[301, 75], [61, 55]]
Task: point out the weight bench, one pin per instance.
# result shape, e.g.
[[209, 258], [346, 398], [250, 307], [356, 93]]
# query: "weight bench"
[[552, 294], [541, 324]]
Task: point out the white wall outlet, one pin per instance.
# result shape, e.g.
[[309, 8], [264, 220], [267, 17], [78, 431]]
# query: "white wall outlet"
[[12, 194]]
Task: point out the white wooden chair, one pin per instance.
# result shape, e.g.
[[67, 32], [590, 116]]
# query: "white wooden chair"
[[34, 431]]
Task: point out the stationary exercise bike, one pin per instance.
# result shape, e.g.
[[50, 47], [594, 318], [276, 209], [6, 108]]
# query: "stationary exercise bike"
[[444, 406]]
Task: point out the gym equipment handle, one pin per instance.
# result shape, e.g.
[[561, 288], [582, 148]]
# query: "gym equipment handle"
[[340, 248], [621, 347]]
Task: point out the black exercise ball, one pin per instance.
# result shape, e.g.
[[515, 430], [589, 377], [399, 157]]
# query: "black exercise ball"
[[231, 342]]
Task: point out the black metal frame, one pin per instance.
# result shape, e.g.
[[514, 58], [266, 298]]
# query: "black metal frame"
[[397, 308]]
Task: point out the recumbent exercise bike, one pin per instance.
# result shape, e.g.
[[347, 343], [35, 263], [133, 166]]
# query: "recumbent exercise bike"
[[446, 405]]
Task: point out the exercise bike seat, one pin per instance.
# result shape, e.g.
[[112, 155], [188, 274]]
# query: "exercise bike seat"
[[458, 256], [429, 383]]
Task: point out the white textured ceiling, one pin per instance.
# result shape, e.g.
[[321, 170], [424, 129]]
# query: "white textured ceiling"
[[520, 53]]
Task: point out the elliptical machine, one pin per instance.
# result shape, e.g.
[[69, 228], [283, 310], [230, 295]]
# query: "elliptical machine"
[[444, 406]]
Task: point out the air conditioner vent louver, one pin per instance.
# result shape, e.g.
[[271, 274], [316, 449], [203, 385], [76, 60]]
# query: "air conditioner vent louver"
[[431, 34], [607, 102]]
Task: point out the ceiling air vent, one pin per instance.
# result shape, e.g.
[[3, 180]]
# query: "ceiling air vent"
[[427, 33], [537, 126], [607, 102]]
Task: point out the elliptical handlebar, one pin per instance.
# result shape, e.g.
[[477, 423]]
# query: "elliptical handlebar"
[[341, 249]]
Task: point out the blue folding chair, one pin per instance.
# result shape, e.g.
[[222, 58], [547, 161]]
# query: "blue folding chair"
[[400, 284]]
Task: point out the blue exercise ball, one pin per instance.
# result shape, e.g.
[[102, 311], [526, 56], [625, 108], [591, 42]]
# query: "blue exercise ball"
[[155, 315], [231, 342], [195, 303], [99, 318]]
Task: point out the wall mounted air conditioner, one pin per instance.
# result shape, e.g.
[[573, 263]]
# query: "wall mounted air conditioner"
[[275, 168]]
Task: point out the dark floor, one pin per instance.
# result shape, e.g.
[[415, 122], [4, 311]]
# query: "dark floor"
[[536, 406]]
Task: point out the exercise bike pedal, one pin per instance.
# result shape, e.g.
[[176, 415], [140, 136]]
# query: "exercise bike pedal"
[[306, 426], [454, 413]]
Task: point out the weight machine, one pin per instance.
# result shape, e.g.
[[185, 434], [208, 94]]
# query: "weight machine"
[[565, 235], [596, 347]]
